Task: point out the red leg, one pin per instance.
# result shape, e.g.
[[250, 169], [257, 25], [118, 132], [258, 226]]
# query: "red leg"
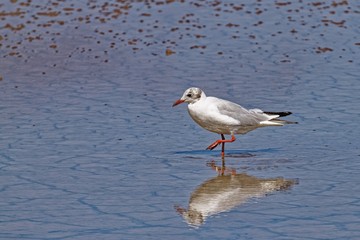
[[223, 141], [222, 146]]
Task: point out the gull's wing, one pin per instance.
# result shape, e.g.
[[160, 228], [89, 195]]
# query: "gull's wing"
[[244, 116]]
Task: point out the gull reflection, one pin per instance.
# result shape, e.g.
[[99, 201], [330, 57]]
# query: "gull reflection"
[[227, 191]]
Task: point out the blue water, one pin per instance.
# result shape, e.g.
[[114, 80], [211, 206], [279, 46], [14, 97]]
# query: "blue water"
[[91, 148]]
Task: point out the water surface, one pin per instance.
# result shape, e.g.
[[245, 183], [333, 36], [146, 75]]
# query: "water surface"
[[90, 147]]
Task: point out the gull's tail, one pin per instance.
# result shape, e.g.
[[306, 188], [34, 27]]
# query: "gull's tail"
[[281, 114], [276, 120]]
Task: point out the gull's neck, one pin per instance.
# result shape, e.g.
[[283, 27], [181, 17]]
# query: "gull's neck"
[[202, 98]]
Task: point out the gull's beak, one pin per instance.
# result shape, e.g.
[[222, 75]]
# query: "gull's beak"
[[177, 102]]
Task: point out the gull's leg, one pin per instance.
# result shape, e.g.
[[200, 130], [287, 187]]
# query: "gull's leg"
[[223, 141], [223, 147]]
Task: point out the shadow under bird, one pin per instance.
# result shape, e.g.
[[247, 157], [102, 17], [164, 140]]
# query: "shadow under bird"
[[225, 117]]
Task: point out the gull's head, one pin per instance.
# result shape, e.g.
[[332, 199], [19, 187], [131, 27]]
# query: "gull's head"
[[191, 95]]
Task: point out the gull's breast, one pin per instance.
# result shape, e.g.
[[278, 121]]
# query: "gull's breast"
[[211, 119]]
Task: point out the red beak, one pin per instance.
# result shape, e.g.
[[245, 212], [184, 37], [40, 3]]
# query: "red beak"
[[177, 102]]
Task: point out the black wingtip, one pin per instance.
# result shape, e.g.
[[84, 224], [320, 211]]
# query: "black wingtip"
[[281, 114]]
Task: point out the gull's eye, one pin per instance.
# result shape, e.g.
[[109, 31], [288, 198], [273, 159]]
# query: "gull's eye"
[[189, 95]]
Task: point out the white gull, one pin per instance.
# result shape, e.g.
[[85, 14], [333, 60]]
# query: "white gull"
[[225, 117]]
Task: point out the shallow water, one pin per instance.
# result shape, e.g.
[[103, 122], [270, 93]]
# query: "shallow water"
[[90, 147]]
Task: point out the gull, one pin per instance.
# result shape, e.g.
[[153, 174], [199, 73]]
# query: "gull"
[[226, 118]]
